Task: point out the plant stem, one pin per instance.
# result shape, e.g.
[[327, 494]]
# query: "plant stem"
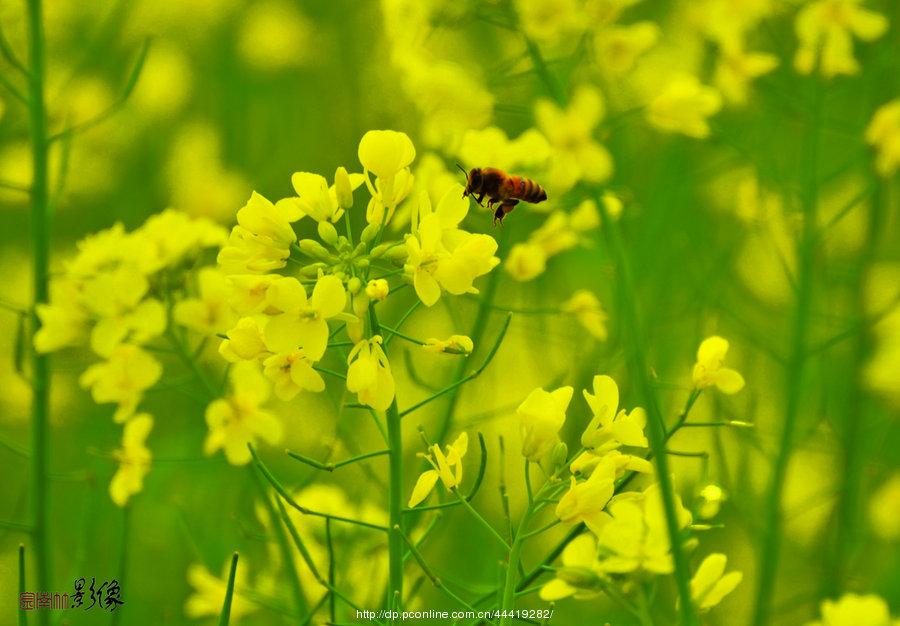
[[40, 242], [656, 426], [22, 616], [508, 599], [225, 616], [395, 493], [771, 538]]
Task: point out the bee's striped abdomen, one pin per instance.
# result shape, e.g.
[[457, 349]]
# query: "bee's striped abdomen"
[[527, 190]]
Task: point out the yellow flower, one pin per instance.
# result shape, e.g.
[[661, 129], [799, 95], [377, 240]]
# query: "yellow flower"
[[855, 610], [884, 509], [387, 154], [587, 309], [369, 375], [247, 292], [737, 68], [683, 107], [292, 373], [825, 30], [576, 155], [710, 584], [245, 341], [169, 238], [209, 593], [585, 501], [711, 498], [237, 419], [579, 576], [261, 241], [541, 415], [611, 428], [447, 467], [316, 199], [211, 312], [585, 463], [619, 47], [62, 325], [883, 134], [116, 298], [708, 370], [492, 145], [550, 21], [122, 379], [525, 261], [134, 459], [275, 35], [633, 534], [301, 322], [455, 344], [442, 257], [377, 289]]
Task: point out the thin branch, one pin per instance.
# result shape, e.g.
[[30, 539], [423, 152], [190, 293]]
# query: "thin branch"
[[330, 467]]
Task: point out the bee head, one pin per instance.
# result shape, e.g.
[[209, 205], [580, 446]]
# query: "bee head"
[[473, 179]]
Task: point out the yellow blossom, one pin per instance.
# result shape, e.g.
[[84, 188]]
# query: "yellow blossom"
[[561, 231], [122, 379], [884, 509], [261, 241], [587, 309], [237, 419], [208, 595], [456, 344], [386, 153], [492, 145], [369, 375], [825, 30], [618, 48], [303, 322], [541, 415], [550, 21], [446, 466], [585, 500], [245, 341], [525, 261], [579, 576], [62, 325], [683, 106], [377, 289], [292, 373], [711, 498], [633, 534], [883, 134], [737, 68], [441, 256], [611, 428], [710, 584], [576, 155], [708, 370], [855, 610], [211, 312], [316, 199], [247, 292], [134, 459]]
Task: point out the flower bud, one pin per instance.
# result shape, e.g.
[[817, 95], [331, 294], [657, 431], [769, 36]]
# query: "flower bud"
[[377, 289], [354, 285], [328, 232], [360, 305], [355, 329], [312, 248], [342, 188], [312, 270], [559, 455], [397, 253], [369, 232]]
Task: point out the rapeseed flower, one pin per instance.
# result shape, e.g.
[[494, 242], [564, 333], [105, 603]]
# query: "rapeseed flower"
[[855, 610], [579, 575], [708, 370], [445, 466], [303, 322], [611, 428], [684, 106], [134, 459], [261, 241], [369, 375], [586, 308], [541, 415], [122, 379], [208, 594], [710, 583], [825, 31], [883, 134], [238, 418], [292, 373], [585, 500], [456, 344], [245, 342], [210, 312]]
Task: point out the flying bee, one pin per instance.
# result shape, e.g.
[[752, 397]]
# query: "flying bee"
[[501, 189]]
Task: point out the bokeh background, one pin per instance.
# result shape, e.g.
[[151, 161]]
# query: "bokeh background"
[[235, 96]]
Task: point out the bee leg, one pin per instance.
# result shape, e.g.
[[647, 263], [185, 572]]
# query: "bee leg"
[[503, 210], [480, 199]]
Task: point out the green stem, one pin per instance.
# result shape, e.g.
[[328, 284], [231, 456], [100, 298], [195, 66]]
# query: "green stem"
[[40, 242], [508, 599], [480, 519], [225, 615], [395, 494], [330, 467], [771, 538], [656, 426]]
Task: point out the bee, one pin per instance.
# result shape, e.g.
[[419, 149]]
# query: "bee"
[[501, 189]]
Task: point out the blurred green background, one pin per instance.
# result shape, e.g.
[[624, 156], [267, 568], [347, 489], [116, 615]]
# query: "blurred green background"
[[235, 96]]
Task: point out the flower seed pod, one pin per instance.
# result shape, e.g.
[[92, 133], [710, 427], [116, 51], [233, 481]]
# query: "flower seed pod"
[[354, 285], [342, 188]]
